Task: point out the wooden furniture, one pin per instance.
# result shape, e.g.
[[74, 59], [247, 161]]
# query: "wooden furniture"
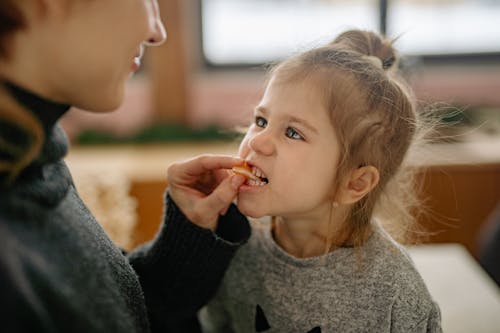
[[168, 66], [459, 200]]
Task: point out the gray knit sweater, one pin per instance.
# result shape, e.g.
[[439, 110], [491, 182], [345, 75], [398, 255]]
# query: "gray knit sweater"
[[374, 290]]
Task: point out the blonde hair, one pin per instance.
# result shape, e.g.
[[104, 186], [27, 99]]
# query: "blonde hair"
[[374, 116]]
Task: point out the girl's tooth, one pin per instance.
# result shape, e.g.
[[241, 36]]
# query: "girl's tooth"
[[257, 172], [253, 182]]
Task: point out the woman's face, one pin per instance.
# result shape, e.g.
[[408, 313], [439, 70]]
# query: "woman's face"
[[93, 46], [292, 144]]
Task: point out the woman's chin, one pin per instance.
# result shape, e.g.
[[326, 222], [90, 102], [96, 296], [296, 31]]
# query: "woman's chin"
[[107, 99], [100, 106], [112, 103]]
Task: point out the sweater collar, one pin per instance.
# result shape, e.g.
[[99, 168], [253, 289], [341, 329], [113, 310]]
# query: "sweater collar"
[[47, 111], [46, 180]]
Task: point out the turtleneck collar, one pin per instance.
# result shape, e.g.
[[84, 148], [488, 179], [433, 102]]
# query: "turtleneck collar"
[[48, 112], [46, 180]]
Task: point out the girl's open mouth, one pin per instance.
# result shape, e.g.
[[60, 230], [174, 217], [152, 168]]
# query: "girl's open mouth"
[[254, 175]]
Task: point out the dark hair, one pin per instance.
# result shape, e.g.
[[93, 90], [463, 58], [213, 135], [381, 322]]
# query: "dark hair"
[[15, 156], [374, 116], [11, 20]]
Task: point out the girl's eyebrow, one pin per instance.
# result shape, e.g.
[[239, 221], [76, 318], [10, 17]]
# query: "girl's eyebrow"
[[303, 123], [294, 119], [261, 109]]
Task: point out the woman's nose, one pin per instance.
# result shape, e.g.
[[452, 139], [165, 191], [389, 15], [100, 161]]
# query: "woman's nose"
[[158, 34], [262, 143]]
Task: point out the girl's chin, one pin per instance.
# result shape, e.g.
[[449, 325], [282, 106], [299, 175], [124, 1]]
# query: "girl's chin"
[[249, 210]]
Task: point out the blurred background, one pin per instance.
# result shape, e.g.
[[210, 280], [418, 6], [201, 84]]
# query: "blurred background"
[[204, 81]]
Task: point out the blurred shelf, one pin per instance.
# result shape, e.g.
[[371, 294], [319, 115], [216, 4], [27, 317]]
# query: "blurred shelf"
[[141, 162]]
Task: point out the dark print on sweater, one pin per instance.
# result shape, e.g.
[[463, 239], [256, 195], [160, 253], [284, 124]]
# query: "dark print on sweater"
[[262, 325]]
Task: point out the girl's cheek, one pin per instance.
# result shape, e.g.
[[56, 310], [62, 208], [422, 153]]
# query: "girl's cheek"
[[243, 149]]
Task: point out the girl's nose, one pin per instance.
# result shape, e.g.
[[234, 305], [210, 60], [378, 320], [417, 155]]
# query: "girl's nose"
[[158, 34], [262, 143]]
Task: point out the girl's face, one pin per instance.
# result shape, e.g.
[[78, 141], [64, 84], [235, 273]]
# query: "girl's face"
[[97, 46], [293, 145]]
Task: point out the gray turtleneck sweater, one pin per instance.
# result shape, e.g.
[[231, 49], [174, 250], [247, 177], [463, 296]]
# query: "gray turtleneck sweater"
[[59, 272], [374, 288]]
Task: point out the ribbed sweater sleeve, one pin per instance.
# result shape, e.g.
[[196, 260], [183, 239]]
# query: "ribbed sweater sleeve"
[[182, 267]]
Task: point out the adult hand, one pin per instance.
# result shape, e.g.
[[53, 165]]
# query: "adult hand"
[[203, 187]]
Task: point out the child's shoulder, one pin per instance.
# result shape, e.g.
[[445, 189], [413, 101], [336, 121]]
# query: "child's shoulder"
[[413, 307], [384, 256], [390, 263]]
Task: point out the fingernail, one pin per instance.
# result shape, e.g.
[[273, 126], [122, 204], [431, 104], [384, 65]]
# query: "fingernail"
[[237, 181]]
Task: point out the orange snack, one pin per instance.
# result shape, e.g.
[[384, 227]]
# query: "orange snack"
[[245, 170]]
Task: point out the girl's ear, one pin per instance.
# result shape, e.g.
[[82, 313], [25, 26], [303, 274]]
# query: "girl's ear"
[[359, 183]]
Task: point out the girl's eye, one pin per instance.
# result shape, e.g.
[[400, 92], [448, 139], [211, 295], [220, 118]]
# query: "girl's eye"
[[293, 134], [260, 122]]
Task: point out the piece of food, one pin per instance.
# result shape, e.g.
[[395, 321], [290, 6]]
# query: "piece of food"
[[245, 170]]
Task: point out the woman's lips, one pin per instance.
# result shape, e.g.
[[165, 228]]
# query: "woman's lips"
[[136, 64]]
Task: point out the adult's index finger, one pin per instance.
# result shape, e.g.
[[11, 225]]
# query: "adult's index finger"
[[209, 162]]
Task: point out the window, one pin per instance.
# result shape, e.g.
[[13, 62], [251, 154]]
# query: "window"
[[236, 32], [249, 32], [445, 27]]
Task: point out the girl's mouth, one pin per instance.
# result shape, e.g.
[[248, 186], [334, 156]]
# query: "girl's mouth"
[[258, 179], [254, 175]]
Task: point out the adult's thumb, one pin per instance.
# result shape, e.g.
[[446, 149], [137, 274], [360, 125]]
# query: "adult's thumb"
[[219, 200]]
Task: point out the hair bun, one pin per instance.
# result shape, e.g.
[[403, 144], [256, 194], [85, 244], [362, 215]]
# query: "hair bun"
[[369, 44]]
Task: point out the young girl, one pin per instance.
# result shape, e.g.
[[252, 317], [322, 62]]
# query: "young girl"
[[329, 138]]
